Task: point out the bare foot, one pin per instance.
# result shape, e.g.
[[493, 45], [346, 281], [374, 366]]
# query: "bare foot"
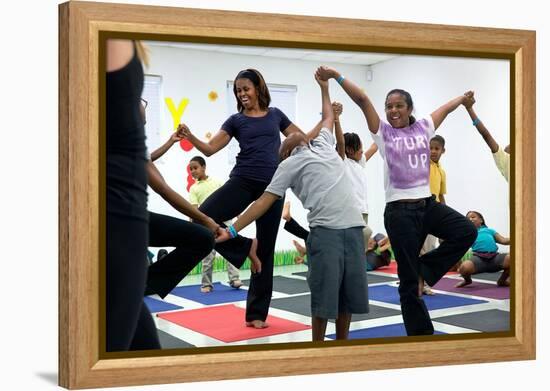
[[255, 263], [301, 249], [504, 279], [257, 324], [427, 290], [298, 260], [286, 211], [467, 281]]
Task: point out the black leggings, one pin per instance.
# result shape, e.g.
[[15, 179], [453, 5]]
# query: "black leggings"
[[129, 322], [192, 243], [296, 229], [229, 201], [407, 225]]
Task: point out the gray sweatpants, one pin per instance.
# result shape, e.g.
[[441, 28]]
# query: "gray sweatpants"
[[207, 263]]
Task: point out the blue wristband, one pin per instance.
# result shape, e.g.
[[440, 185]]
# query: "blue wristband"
[[340, 79], [232, 231], [476, 121]]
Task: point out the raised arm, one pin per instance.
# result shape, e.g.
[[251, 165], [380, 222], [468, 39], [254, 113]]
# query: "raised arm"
[[371, 151], [220, 140], [483, 131], [440, 114], [337, 109], [159, 185], [501, 239], [327, 116], [355, 93], [174, 138]]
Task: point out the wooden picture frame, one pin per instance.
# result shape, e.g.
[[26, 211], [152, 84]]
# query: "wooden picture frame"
[[84, 26]]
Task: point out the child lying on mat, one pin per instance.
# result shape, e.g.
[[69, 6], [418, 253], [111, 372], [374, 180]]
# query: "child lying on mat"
[[485, 256]]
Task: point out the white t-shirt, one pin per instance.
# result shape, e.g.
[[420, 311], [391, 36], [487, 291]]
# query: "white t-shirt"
[[406, 154], [358, 177], [316, 175]]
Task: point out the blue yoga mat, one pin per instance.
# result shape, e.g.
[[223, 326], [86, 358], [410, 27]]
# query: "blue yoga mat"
[[220, 294], [392, 330], [155, 305], [389, 294]]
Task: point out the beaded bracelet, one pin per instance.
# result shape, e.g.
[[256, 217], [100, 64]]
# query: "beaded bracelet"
[[232, 231], [476, 121], [340, 79]]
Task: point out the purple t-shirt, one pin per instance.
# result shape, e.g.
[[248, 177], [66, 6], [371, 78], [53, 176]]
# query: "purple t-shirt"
[[406, 154], [259, 140]]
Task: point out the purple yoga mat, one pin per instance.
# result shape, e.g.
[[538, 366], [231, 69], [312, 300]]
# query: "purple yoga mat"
[[481, 289]]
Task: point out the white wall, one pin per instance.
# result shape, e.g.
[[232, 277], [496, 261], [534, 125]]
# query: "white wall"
[[473, 180], [194, 73]]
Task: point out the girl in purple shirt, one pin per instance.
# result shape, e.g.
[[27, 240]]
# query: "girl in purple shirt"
[[411, 212]]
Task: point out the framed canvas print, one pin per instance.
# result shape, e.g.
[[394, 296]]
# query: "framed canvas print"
[[191, 95]]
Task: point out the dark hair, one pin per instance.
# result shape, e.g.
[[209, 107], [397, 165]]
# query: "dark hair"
[[480, 216], [199, 160], [264, 99], [352, 143], [408, 100], [438, 139]]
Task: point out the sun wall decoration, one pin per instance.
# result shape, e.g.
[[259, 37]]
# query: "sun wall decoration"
[[212, 96]]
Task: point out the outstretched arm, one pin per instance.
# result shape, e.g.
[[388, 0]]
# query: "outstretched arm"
[[159, 185], [440, 114], [254, 212], [355, 93], [174, 138], [483, 131], [291, 129], [501, 239], [220, 140]]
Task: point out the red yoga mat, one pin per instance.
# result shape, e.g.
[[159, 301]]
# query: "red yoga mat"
[[226, 323], [392, 269]]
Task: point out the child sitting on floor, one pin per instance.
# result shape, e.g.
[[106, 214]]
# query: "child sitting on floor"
[[485, 256]]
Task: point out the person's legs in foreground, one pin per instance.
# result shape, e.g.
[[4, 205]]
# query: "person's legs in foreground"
[[261, 284], [192, 243], [129, 323]]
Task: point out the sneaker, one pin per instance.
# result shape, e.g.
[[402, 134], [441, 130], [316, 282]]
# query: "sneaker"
[[206, 289], [236, 284]]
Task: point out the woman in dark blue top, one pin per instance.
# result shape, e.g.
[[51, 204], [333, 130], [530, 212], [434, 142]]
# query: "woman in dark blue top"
[[257, 128]]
